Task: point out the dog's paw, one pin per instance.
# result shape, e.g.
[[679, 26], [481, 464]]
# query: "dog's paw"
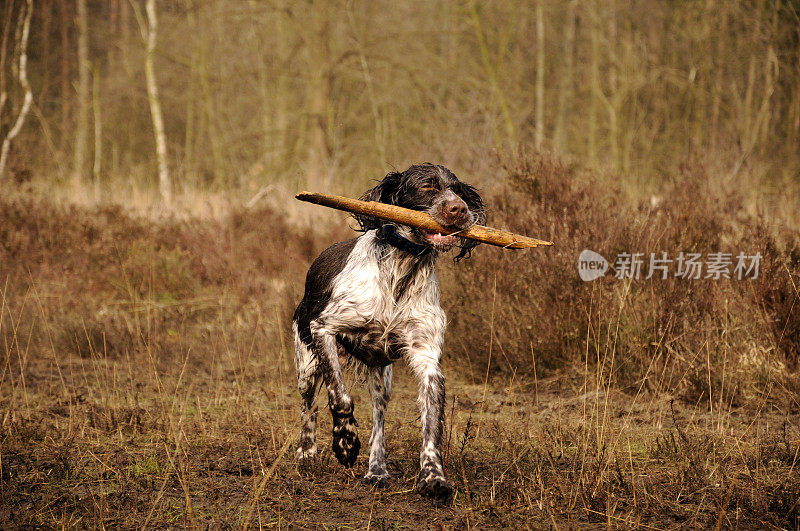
[[306, 453], [345, 440], [380, 479], [435, 486]]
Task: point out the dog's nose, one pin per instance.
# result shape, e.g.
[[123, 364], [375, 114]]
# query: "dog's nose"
[[455, 211]]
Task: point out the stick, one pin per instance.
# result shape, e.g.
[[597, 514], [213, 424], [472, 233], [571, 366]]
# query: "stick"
[[421, 220]]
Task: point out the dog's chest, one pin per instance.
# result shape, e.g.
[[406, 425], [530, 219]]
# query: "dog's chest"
[[383, 306]]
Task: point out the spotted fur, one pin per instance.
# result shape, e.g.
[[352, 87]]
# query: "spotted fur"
[[374, 300]]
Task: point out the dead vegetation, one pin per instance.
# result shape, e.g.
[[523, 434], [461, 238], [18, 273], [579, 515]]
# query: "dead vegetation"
[[147, 374], [721, 342]]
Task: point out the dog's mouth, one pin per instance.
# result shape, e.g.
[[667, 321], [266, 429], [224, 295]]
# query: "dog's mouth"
[[439, 240]]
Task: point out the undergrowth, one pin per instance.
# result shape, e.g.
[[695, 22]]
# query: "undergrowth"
[[716, 341]]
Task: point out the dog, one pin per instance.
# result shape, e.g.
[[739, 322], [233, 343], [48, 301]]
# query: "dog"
[[373, 300]]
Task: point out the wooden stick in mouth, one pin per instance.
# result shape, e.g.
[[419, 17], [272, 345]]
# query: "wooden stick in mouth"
[[421, 220]]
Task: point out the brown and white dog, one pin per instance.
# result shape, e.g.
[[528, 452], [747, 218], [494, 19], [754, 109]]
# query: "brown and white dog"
[[373, 300]]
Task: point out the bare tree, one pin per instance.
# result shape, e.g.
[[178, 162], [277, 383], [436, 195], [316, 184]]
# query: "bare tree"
[[150, 36], [594, 82], [491, 71], [98, 133], [539, 135], [287, 90], [84, 95], [22, 76], [47, 15], [320, 87], [7, 12], [64, 96], [565, 90]]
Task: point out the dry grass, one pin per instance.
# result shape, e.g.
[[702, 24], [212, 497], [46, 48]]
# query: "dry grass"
[[147, 375]]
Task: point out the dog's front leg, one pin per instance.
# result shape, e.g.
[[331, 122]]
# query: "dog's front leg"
[[425, 364], [345, 437], [380, 386]]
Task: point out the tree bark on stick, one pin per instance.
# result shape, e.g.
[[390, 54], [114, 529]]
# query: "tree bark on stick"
[[421, 220], [164, 181], [22, 75]]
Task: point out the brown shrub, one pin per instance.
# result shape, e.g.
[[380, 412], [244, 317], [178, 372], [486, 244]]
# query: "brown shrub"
[[698, 338], [101, 283]]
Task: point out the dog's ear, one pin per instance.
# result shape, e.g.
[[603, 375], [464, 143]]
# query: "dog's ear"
[[475, 204], [387, 191]]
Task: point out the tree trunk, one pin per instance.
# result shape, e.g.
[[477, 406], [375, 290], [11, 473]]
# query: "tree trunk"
[[98, 133], [321, 151], [164, 182], [539, 133], [492, 72], [796, 122], [594, 72], [191, 102], [613, 102], [22, 74], [84, 96], [9, 10], [47, 15], [284, 147], [124, 34], [565, 91], [66, 93]]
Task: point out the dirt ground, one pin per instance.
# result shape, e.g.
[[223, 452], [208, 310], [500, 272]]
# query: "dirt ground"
[[124, 443]]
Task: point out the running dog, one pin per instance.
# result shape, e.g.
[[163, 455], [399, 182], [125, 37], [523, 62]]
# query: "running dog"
[[373, 300]]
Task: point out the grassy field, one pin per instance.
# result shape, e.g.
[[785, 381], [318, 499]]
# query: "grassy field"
[[126, 443], [148, 379]]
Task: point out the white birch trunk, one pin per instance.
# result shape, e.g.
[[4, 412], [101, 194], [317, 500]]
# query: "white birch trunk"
[[23, 81], [164, 182]]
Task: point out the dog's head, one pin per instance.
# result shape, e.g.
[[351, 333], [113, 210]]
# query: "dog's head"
[[437, 191]]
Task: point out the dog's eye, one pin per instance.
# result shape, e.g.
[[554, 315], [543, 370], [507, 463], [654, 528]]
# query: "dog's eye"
[[428, 188]]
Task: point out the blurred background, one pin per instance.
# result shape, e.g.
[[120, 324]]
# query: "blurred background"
[[329, 95]]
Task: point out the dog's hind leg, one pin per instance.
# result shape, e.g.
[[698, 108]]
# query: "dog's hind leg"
[[345, 442], [380, 386], [308, 382]]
